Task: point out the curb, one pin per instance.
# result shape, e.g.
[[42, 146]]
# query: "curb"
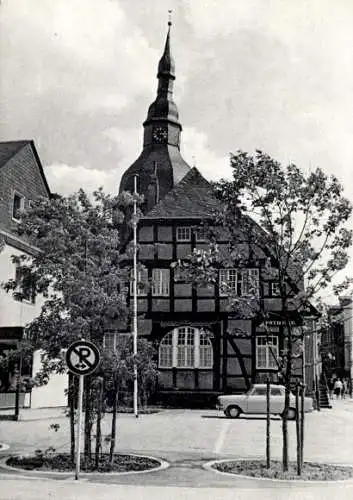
[[209, 467], [163, 464]]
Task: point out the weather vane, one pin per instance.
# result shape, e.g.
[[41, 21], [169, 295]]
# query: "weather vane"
[[170, 17]]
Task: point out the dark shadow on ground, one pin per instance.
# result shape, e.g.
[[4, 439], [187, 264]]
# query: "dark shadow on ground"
[[243, 417]]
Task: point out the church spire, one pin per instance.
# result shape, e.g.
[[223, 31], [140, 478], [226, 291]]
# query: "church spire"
[[160, 165], [164, 110], [166, 66]]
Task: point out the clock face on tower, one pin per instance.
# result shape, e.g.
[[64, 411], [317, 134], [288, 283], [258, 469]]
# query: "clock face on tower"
[[160, 135]]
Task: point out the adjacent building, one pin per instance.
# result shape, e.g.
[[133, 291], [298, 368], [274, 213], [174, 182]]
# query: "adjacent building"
[[22, 180], [336, 341]]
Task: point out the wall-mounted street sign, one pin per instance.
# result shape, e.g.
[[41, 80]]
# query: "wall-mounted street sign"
[[82, 357]]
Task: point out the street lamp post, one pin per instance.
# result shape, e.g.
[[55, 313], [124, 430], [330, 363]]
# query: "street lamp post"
[[134, 321]]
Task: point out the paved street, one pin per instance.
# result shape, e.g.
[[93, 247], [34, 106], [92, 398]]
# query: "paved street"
[[201, 433], [187, 439]]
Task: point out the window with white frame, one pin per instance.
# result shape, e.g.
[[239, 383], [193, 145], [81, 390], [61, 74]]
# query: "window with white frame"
[[166, 351], [186, 347], [160, 282], [200, 234], [142, 282], [112, 340], [275, 289], [18, 205], [206, 352], [267, 352], [240, 282], [183, 233]]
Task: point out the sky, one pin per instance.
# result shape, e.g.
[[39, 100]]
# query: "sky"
[[77, 77]]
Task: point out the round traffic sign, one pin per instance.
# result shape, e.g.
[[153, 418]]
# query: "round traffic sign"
[[82, 357]]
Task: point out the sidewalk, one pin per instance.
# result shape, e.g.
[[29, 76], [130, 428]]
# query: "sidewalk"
[[55, 490], [32, 414]]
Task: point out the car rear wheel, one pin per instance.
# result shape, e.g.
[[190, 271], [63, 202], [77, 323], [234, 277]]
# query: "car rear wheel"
[[291, 414], [232, 412]]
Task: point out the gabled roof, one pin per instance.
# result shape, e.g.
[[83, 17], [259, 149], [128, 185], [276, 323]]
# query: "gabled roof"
[[190, 198], [9, 149]]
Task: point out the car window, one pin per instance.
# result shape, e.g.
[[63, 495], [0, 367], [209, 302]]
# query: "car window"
[[259, 391], [276, 391]]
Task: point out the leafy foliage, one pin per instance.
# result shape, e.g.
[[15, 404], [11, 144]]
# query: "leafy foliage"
[[292, 227], [80, 273], [77, 269]]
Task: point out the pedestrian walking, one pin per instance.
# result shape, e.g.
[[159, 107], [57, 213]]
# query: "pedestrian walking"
[[344, 389], [337, 388], [330, 384]]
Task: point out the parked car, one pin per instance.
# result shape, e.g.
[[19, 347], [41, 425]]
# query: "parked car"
[[254, 402]]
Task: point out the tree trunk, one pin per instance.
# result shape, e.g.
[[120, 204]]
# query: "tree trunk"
[[268, 423], [18, 388], [287, 381], [72, 401], [98, 423], [298, 433], [285, 431], [302, 413], [113, 428]]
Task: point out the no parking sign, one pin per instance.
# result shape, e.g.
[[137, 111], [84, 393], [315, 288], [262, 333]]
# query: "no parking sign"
[[82, 357]]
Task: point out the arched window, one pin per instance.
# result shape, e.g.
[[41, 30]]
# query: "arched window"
[[166, 351], [186, 347]]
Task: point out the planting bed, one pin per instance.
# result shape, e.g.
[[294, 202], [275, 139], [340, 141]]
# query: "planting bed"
[[311, 471], [63, 463]]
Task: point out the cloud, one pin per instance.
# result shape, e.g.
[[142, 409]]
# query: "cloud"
[[68, 179], [73, 72], [79, 76], [196, 151]]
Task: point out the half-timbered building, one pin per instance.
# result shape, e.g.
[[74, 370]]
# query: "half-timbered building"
[[203, 348]]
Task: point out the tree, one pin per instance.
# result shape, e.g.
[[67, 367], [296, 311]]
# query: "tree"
[[80, 272], [118, 368], [290, 224]]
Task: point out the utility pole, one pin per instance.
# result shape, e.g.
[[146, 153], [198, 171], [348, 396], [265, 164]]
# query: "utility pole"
[[134, 321]]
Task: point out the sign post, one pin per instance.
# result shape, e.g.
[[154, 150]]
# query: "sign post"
[[82, 358], [79, 426]]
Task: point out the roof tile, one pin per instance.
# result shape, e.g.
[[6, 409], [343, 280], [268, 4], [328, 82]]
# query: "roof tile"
[[191, 197], [9, 149]]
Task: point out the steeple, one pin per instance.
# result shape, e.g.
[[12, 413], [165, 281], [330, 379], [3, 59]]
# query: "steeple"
[[160, 164], [166, 65], [163, 112]]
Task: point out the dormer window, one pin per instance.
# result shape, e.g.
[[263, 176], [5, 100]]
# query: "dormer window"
[[18, 205], [183, 233]]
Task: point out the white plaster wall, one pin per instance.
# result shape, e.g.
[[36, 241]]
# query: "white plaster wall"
[[53, 393], [13, 312]]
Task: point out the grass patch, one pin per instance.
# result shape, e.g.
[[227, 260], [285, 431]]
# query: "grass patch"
[[311, 471], [62, 463], [141, 411]]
